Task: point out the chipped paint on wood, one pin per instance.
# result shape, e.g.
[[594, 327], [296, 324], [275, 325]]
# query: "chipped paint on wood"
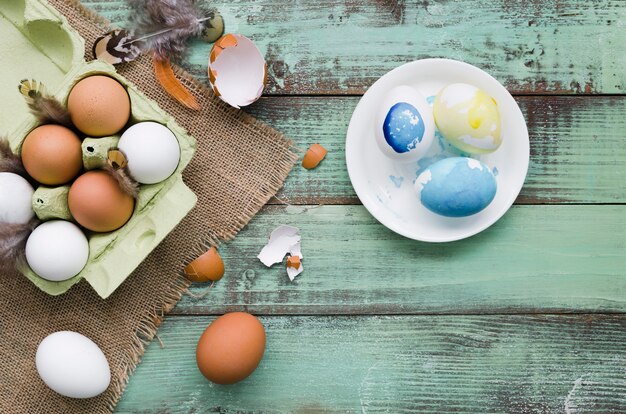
[[331, 47], [578, 152], [427, 364], [535, 259]]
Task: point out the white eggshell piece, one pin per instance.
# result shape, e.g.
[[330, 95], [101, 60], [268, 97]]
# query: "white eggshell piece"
[[152, 151], [57, 250], [404, 125], [16, 205], [72, 365], [240, 73]]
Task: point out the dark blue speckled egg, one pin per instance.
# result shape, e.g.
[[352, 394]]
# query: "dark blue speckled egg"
[[405, 127]]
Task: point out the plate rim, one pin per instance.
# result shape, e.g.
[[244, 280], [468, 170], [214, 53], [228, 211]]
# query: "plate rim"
[[349, 155]]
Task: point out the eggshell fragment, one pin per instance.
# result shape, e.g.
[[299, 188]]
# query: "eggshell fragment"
[[237, 70], [208, 266], [293, 262], [281, 241], [231, 348], [315, 154]]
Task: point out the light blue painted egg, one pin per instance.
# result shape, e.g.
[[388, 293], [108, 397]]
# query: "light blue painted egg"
[[456, 187]]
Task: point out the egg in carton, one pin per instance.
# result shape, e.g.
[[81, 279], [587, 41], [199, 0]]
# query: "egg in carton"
[[33, 26]]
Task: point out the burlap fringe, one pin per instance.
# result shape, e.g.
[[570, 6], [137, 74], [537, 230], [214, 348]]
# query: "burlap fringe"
[[146, 332]]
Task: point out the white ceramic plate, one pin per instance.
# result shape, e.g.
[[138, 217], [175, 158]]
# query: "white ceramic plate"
[[386, 188]]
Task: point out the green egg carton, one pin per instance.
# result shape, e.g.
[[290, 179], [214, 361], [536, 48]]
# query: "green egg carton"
[[36, 42]]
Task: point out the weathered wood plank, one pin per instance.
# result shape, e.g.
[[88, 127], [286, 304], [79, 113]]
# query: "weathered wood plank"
[[331, 47], [535, 259], [430, 364], [578, 152]]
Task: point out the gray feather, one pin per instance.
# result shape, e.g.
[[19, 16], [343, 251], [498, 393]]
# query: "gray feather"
[[122, 176], [13, 239], [181, 18], [10, 162]]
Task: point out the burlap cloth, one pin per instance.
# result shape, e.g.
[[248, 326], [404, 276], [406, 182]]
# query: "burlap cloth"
[[239, 165]]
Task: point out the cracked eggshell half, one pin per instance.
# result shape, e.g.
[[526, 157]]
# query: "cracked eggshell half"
[[405, 127], [237, 70]]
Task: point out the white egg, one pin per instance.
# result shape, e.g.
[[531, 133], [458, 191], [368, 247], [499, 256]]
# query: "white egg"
[[57, 250], [72, 365], [404, 125], [152, 151], [16, 194]]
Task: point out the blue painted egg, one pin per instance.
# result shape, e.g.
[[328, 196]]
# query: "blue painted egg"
[[456, 187], [405, 126]]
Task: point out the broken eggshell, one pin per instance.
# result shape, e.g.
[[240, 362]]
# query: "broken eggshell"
[[237, 70], [283, 241], [208, 266], [315, 154]]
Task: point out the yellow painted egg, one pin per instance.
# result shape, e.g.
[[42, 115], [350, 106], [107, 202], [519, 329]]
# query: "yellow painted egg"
[[468, 118]]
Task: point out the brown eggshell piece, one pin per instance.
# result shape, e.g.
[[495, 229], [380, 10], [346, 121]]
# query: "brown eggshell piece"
[[209, 266], [231, 348], [52, 154], [99, 106], [293, 262], [314, 156], [97, 202]]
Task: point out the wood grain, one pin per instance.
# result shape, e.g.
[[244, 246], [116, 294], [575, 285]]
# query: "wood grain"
[[535, 259], [442, 328], [426, 364], [331, 47], [578, 152]]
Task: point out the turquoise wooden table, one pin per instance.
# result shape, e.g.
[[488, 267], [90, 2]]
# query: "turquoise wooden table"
[[527, 317]]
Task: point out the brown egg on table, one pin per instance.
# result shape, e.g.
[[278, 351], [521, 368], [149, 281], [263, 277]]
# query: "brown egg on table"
[[231, 348], [52, 155], [99, 106], [97, 202]]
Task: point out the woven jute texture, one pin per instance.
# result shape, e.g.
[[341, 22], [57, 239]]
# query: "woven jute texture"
[[239, 165]]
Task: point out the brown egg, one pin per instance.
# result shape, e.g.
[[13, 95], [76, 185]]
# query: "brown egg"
[[99, 106], [208, 266], [97, 202], [52, 155], [231, 348]]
